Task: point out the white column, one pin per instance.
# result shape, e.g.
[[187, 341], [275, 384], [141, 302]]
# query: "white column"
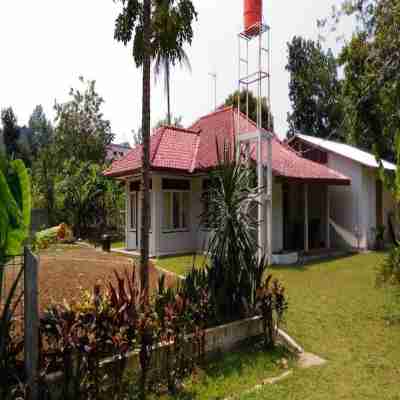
[[306, 230], [127, 203], [269, 202], [261, 189], [156, 213], [328, 206]]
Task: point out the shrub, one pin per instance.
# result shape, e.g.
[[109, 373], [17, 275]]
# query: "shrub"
[[388, 278], [389, 270]]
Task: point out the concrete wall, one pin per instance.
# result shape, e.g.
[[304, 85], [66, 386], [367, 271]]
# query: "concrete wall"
[[347, 205], [353, 208]]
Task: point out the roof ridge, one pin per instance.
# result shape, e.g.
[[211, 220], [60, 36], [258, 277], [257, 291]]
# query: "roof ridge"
[[178, 128], [195, 153], [220, 110], [161, 132]]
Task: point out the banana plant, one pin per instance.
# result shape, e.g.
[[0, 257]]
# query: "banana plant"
[[15, 210], [15, 214]]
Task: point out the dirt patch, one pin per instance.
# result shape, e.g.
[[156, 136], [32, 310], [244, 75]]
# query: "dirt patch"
[[65, 273]]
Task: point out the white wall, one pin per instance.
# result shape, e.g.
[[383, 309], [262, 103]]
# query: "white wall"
[[185, 241], [277, 217], [355, 205], [347, 208]]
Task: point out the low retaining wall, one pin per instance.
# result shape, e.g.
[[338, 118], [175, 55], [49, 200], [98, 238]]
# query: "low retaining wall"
[[220, 338]]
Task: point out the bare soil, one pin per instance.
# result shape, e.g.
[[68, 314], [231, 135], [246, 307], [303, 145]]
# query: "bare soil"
[[65, 271]]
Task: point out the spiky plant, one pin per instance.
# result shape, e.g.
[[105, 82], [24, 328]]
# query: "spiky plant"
[[235, 270]]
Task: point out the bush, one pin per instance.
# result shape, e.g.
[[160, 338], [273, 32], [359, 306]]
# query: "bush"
[[388, 278], [389, 270]]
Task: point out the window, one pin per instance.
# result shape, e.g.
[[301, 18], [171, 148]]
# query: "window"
[[176, 210], [134, 207], [133, 210]]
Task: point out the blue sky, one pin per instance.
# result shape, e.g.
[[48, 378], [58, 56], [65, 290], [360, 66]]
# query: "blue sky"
[[47, 44]]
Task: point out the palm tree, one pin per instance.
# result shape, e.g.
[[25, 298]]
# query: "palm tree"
[[167, 20], [143, 23]]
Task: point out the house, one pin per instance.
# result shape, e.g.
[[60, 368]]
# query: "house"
[[180, 161], [356, 210], [116, 151]]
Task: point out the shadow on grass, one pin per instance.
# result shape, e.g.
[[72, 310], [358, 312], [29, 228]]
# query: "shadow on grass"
[[232, 372], [306, 266]]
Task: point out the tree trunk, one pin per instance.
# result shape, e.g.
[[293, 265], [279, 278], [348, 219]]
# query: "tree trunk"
[[144, 240], [167, 72]]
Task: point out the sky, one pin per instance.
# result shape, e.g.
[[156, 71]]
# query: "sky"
[[47, 44]]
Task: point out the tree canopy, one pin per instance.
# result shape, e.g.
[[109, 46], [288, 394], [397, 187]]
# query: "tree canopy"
[[267, 120], [82, 132], [314, 91]]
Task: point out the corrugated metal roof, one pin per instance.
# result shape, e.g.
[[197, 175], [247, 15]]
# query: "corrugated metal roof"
[[347, 151]]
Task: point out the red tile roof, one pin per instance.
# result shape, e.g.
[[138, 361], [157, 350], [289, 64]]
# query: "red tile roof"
[[170, 148], [194, 149]]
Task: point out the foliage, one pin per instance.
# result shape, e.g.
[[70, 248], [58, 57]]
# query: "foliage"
[[266, 120], [235, 271], [389, 270], [89, 199], [42, 130], [43, 239], [76, 338], [175, 121], [15, 213], [271, 304], [314, 91], [171, 28], [82, 133], [10, 132], [161, 27], [11, 344]]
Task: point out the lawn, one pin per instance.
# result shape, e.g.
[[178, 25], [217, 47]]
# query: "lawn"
[[233, 372], [336, 312], [181, 265]]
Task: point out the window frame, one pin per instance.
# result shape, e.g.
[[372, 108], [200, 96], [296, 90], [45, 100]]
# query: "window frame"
[[137, 217], [171, 211], [135, 195]]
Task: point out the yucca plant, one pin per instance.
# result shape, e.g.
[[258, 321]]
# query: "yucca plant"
[[235, 270]]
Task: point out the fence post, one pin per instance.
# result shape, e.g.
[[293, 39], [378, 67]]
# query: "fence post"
[[31, 322]]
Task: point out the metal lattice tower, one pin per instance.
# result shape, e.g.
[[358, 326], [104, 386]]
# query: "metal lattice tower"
[[255, 45]]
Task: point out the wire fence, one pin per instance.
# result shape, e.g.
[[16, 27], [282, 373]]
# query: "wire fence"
[[10, 270]]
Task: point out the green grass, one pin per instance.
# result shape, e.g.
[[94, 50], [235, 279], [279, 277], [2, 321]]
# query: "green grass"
[[181, 265], [118, 245], [232, 372], [336, 312]]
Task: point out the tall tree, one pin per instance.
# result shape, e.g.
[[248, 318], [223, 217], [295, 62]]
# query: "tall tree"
[[371, 64], [44, 166], [267, 120], [140, 21], [10, 132], [314, 91], [173, 121], [82, 132], [168, 19], [41, 130]]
